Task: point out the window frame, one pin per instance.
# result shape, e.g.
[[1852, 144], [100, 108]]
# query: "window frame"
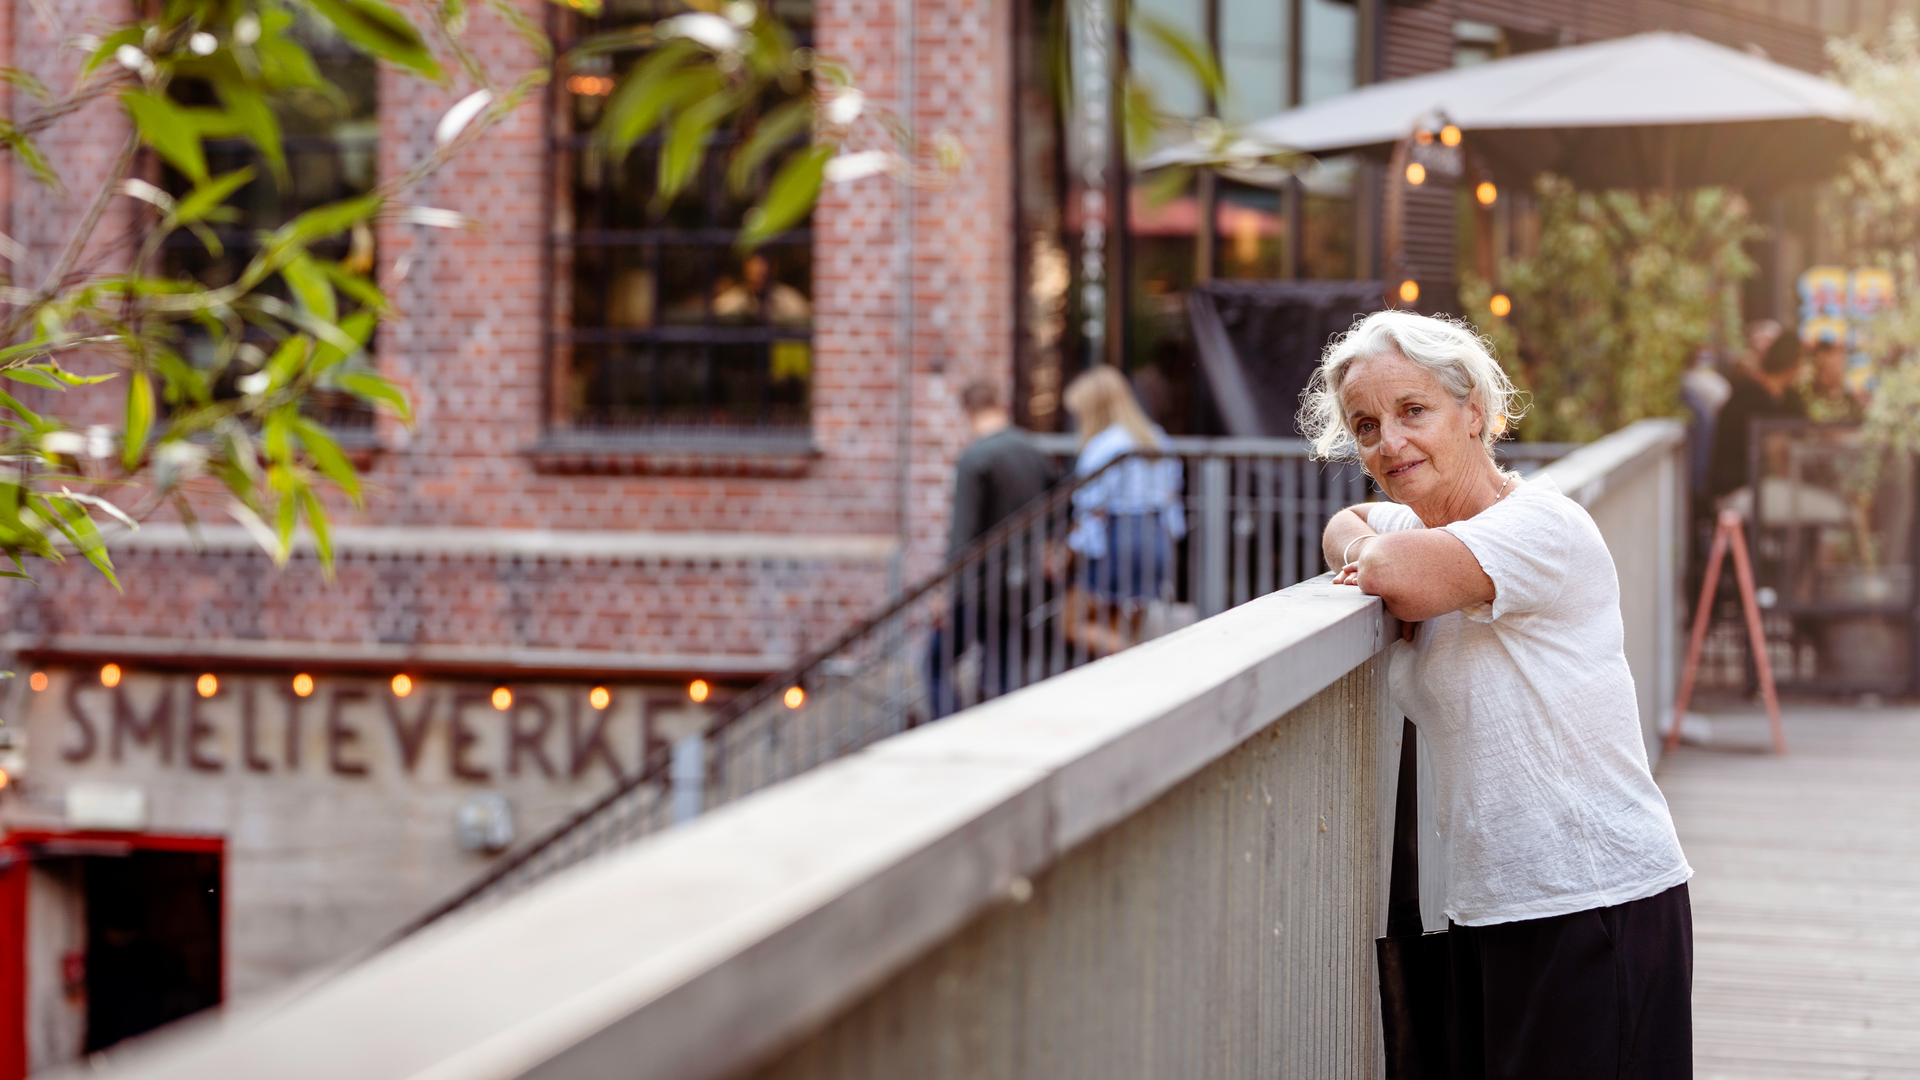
[[593, 437]]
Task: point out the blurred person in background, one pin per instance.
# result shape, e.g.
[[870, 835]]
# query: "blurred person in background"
[[1126, 520], [1704, 390], [1000, 472], [1761, 334], [1827, 395], [1769, 391]]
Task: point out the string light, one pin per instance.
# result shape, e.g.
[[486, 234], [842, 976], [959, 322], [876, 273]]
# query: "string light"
[[795, 697], [698, 690], [38, 681], [402, 685], [5, 779], [1500, 305], [1486, 193], [1409, 291], [1450, 136], [502, 698], [599, 697], [207, 685], [303, 684], [110, 676], [590, 85], [1416, 173]]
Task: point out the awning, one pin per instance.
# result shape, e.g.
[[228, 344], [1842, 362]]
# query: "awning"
[[1657, 109]]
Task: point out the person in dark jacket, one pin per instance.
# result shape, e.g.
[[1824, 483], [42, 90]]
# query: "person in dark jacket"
[[1000, 472], [1767, 392]]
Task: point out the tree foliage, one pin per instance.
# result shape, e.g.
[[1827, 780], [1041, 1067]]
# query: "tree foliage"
[[1882, 182], [234, 415], [1622, 290]]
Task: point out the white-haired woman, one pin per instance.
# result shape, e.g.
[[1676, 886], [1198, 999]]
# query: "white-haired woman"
[[1572, 937]]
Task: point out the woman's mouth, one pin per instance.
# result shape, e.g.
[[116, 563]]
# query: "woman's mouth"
[[1401, 470]]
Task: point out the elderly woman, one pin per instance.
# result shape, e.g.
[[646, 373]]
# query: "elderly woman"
[[1571, 934]]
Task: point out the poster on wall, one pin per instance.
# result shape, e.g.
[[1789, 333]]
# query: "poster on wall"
[[1837, 304]]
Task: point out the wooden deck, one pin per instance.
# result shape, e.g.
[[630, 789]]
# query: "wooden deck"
[[1806, 894]]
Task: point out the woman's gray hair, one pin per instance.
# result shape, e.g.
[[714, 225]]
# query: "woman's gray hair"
[[1451, 350]]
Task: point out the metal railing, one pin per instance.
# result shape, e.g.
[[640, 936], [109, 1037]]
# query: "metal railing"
[[1018, 606]]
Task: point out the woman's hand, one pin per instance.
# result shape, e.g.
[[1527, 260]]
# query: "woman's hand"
[[1350, 573]]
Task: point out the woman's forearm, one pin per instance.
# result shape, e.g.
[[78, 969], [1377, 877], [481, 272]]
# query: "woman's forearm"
[[1346, 527]]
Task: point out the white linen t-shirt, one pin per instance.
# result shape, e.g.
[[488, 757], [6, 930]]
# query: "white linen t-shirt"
[[1545, 801]]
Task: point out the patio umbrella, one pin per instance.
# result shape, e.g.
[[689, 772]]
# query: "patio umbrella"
[[1652, 110]]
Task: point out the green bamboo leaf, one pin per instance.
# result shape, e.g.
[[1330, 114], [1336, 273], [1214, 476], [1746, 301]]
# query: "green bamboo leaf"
[[381, 31], [185, 384], [775, 130], [649, 90], [26, 83], [31, 418], [331, 219], [322, 536], [129, 35], [1186, 50], [284, 62], [358, 286], [686, 144], [71, 379], [32, 376], [209, 196], [789, 198], [276, 436], [73, 521], [357, 326], [369, 387], [207, 237], [311, 287], [139, 419], [287, 360], [28, 152], [328, 456], [170, 130], [256, 121]]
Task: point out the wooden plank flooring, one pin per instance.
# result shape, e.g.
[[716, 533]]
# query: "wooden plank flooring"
[[1806, 894]]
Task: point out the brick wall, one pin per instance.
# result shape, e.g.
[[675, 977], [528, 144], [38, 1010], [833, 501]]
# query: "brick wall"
[[467, 344]]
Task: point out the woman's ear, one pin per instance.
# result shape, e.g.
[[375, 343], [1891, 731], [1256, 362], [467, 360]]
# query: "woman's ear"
[[1476, 420]]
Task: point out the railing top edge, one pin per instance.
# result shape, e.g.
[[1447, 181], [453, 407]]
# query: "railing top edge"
[[1584, 474], [894, 847]]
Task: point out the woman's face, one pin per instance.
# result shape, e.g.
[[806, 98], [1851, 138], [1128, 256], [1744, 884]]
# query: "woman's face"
[[1415, 440]]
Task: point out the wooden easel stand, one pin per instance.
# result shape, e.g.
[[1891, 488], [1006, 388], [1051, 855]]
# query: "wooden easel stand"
[[1728, 533]]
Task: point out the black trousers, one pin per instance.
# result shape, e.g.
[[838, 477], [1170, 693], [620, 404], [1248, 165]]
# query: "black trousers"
[[1604, 994]]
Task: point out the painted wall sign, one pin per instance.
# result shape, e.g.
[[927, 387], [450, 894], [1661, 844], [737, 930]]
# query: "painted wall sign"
[[353, 729]]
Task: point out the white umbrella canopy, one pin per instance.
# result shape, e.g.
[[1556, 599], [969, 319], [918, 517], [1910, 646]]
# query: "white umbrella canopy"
[[1651, 110]]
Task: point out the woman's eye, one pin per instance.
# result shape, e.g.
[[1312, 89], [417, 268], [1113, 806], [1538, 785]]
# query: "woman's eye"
[[1415, 410]]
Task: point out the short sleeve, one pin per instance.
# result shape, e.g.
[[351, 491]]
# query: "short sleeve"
[[1523, 545], [1386, 517]]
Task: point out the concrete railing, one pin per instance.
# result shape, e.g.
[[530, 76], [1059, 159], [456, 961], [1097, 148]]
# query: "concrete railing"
[[1165, 863]]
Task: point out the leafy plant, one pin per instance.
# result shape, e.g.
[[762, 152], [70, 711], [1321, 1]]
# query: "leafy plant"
[[1882, 182], [1621, 292], [291, 324]]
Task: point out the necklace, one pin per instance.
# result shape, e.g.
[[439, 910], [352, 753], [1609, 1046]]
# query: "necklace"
[[1502, 493]]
